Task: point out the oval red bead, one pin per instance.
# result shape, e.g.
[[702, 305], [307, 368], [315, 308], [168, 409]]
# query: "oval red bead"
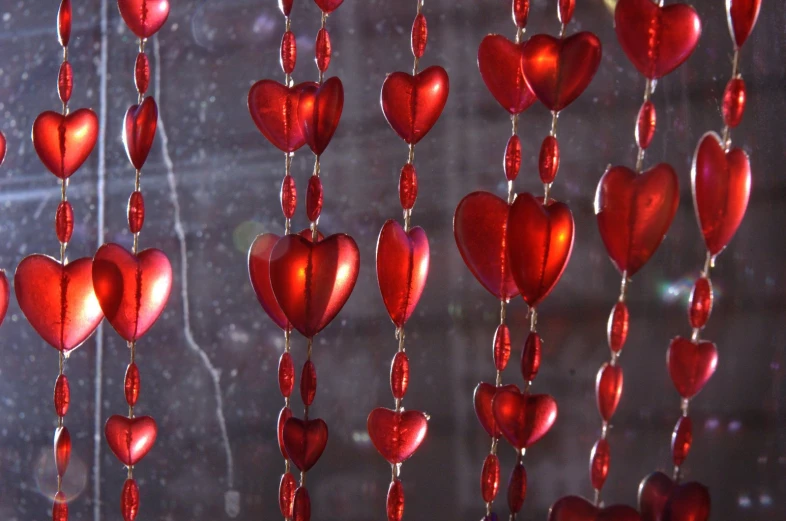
[[62, 445], [64, 23], [399, 375], [132, 384], [64, 222], [285, 6], [286, 375], [600, 458], [565, 11], [301, 508], [308, 382], [314, 198], [129, 500], [608, 390], [501, 347], [136, 212], [286, 494], [142, 73], [283, 416], [288, 52], [681, 440], [395, 501], [65, 82], [62, 396], [530, 357], [517, 488], [734, 102], [288, 196], [548, 161], [489, 478], [323, 50], [700, 303], [617, 327], [520, 13], [60, 508], [512, 162], [419, 36], [408, 187], [646, 122]]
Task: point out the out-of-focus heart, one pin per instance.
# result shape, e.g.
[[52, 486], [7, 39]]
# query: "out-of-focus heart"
[[144, 17], [4, 295], [63, 143], [259, 273], [484, 398], [274, 109], [691, 365], [397, 435], [499, 61], [305, 441], [130, 438], [319, 111], [413, 104], [2, 147], [660, 499], [575, 508], [524, 418], [139, 131]]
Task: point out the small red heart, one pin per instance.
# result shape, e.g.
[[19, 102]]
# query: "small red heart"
[[721, 189], [480, 228], [656, 39], [541, 239], [742, 16], [259, 273], [139, 131], [57, 300], [402, 269], [413, 104], [132, 289], [305, 441], [274, 109], [319, 111], [144, 17], [484, 398], [691, 365], [634, 212], [660, 499], [575, 508], [499, 61], [558, 70], [4, 295], [2, 148], [63, 143], [313, 281], [130, 438], [524, 418], [397, 435], [328, 6]]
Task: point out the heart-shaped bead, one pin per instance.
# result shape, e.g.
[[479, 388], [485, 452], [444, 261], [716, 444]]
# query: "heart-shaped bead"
[[721, 189], [523, 418], [480, 228], [259, 273], [558, 70], [4, 295], [413, 104], [58, 301], [660, 499], [634, 212], [274, 109], [499, 61], [144, 17], [313, 281], [484, 398], [319, 111], [656, 39], [691, 365], [305, 441], [397, 435], [63, 143], [742, 16], [608, 390], [575, 508], [328, 6], [402, 269], [541, 241], [139, 131], [130, 438], [131, 289]]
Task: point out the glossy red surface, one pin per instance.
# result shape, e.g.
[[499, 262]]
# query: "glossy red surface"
[[575, 508], [734, 98], [700, 302], [323, 50], [328, 6], [65, 81], [4, 295], [512, 162], [144, 17], [396, 435], [524, 419], [308, 383], [608, 390], [283, 415], [499, 61], [130, 438], [285, 6], [489, 478], [288, 196], [142, 73], [501, 347], [286, 375], [319, 111], [274, 109], [64, 222], [305, 441], [548, 160], [408, 187], [419, 36], [314, 198], [3, 147], [288, 53], [413, 104], [129, 500], [301, 506], [394, 504], [691, 365], [660, 499], [132, 384], [62, 395], [520, 12], [565, 10], [742, 16], [286, 494], [139, 131], [517, 488], [483, 399], [617, 327], [60, 507], [259, 273], [63, 143], [681, 440], [531, 356], [600, 459], [62, 446], [136, 212], [399, 375], [646, 122], [64, 17]]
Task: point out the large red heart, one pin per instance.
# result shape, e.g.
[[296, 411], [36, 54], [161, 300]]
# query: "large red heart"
[[413, 104], [274, 109], [499, 61], [402, 269], [480, 229], [313, 281], [328, 6], [524, 418], [484, 398], [58, 301], [130, 438], [305, 441], [259, 273], [320, 112], [4, 294], [541, 241], [132, 289], [397, 435], [656, 39], [575, 508], [691, 365], [742, 16], [63, 143], [139, 131], [660, 499], [144, 17], [634, 212], [721, 189], [558, 70]]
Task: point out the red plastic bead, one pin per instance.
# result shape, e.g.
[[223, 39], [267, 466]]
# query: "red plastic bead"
[[132, 384], [489, 478], [399, 375], [136, 212], [301, 508], [681, 440], [530, 357], [734, 102], [288, 196], [285, 6], [395, 501], [64, 222], [62, 445], [314, 198], [419, 36], [700, 303], [513, 158], [617, 328], [323, 50], [142, 73], [608, 390], [645, 124], [599, 464], [60, 508], [548, 162], [129, 500], [286, 375], [520, 13], [62, 396], [288, 52], [308, 382], [501, 347], [283, 416], [65, 82], [64, 23], [408, 187], [286, 494], [565, 11], [517, 488]]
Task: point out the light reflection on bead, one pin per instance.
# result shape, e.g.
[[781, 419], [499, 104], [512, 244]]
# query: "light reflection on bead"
[[136, 212], [283, 416], [399, 375], [608, 390], [62, 446], [617, 328], [314, 197], [60, 507], [520, 13], [286, 494], [64, 23], [129, 500], [65, 82], [286, 375], [700, 303], [132, 384], [512, 158], [64, 222], [548, 162], [288, 56], [565, 11], [419, 36], [408, 187], [62, 397], [395, 501], [734, 98], [142, 73], [530, 356], [501, 347], [645, 124], [599, 463], [288, 196], [324, 50], [681, 440], [489, 478]]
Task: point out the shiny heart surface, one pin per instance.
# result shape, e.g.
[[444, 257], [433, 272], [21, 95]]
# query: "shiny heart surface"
[[575, 508], [721, 190], [58, 301], [313, 281], [274, 109], [131, 289], [484, 398], [413, 104], [661, 500], [558, 70], [541, 241], [691, 365], [480, 228], [139, 131], [259, 273], [3, 147], [305, 441], [63, 143], [634, 212], [319, 112], [144, 17], [656, 39], [328, 6], [402, 269], [4, 295], [499, 61], [742, 16], [524, 418], [397, 435], [130, 438]]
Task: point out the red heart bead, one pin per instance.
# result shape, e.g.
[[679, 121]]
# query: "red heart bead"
[[656, 39], [57, 300], [742, 16], [691, 365], [313, 281], [575, 508], [139, 131], [499, 61], [259, 273], [413, 104], [2, 148], [4, 294], [660, 499], [524, 418], [63, 143], [132, 289], [721, 189], [328, 6], [480, 228], [541, 239], [484, 398], [608, 390], [305, 441], [144, 17], [274, 109], [319, 111], [397, 435], [130, 438], [634, 212], [402, 269], [558, 70]]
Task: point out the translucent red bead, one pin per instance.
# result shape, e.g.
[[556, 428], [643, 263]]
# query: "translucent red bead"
[[520, 13], [408, 187], [301, 508], [645, 124], [288, 52], [513, 158], [286, 375], [395, 501], [700, 303], [323, 50], [517, 488], [132, 384], [565, 10], [142, 73], [608, 390], [62, 397], [60, 508], [136, 212], [285, 6], [308, 382], [489, 478], [734, 102], [617, 328], [314, 197], [548, 162], [419, 36], [129, 500], [286, 494], [399, 375], [288, 196], [62, 446], [64, 222], [530, 357], [64, 23], [599, 463], [65, 82], [283, 416], [681, 440], [501, 347]]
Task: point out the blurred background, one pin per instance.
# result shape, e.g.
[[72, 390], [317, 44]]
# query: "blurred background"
[[210, 383]]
